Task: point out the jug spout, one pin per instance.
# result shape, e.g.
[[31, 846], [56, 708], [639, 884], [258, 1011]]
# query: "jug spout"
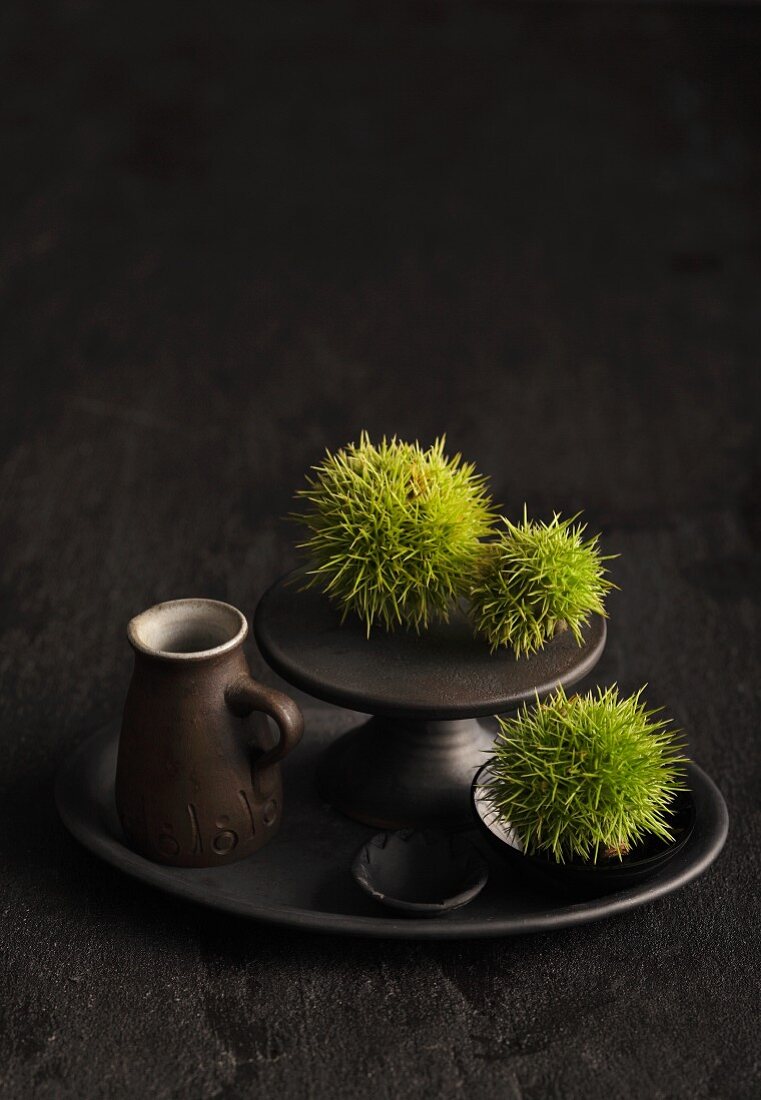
[[187, 630]]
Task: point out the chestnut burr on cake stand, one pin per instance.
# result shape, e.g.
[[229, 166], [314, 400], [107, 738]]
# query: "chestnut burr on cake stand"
[[413, 761]]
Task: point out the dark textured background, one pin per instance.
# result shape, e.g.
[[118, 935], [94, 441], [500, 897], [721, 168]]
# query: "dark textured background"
[[234, 234]]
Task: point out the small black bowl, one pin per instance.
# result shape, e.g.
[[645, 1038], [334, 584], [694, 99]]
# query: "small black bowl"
[[420, 872], [577, 877]]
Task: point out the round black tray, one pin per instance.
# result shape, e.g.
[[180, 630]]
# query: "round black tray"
[[302, 878]]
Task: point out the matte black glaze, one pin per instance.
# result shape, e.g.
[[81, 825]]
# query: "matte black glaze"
[[444, 673], [412, 765], [593, 879], [395, 774], [302, 878], [422, 872]]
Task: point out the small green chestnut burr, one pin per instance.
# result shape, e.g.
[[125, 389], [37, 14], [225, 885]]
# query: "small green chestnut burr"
[[586, 776], [535, 579]]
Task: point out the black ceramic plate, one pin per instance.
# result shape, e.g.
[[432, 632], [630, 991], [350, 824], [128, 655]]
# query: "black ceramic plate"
[[303, 879], [443, 673]]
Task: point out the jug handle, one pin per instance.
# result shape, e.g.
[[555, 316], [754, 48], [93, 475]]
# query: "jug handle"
[[245, 695]]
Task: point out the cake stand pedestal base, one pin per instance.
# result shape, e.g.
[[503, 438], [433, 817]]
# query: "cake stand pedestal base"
[[395, 773]]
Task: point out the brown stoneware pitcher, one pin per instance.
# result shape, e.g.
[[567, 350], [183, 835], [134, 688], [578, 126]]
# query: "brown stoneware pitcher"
[[197, 777]]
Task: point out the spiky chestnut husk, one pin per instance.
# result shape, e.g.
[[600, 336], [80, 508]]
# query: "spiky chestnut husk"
[[395, 530], [534, 579], [591, 774]]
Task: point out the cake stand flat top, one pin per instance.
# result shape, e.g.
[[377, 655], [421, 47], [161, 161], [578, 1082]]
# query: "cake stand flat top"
[[444, 673]]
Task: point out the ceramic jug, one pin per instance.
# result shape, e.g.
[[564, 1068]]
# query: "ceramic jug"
[[197, 777]]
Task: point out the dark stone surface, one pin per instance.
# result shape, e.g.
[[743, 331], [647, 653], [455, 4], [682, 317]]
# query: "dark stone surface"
[[235, 234]]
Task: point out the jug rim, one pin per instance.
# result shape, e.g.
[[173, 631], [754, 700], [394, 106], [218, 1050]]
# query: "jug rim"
[[156, 630]]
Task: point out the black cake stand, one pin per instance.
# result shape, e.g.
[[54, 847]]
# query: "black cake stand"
[[412, 763]]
